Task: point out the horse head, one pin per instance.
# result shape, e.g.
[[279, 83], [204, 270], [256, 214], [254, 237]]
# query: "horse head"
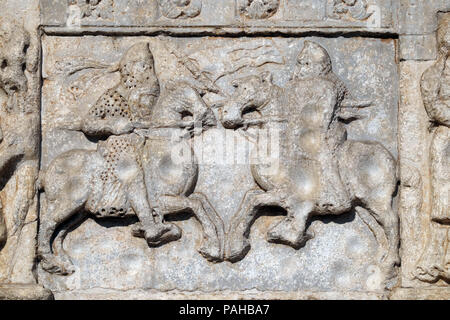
[[251, 93]]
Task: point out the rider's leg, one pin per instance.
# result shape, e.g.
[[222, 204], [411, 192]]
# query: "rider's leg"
[[154, 230]]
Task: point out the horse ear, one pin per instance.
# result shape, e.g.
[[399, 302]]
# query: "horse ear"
[[267, 76]]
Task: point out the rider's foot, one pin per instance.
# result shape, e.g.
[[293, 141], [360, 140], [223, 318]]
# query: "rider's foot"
[[161, 233], [285, 232]]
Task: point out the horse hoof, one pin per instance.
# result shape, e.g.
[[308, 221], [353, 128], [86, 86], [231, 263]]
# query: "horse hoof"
[[171, 233], [237, 249], [138, 231], [210, 250], [286, 233], [161, 234], [52, 265]]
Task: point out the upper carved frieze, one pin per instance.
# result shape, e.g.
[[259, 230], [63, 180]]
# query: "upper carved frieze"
[[348, 9], [90, 9], [180, 9], [207, 14], [258, 9]]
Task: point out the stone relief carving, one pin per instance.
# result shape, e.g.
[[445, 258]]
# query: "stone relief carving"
[[94, 8], [131, 172], [79, 10], [3, 232], [435, 88], [348, 9], [128, 179], [20, 124], [320, 171], [180, 9], [258, 9]]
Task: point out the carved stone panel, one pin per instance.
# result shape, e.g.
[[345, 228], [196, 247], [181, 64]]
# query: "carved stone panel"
[[108, 253]]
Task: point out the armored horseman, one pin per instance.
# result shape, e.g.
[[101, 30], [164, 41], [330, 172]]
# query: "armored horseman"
[[116, 114], [315, 97]]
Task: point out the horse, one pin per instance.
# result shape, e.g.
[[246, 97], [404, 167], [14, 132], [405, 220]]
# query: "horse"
[[367, 169]]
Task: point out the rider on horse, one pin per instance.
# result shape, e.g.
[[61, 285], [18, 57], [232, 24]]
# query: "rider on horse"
[[315, 96], [115, 115]]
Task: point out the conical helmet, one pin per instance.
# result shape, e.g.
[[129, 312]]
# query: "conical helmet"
[[138, 52], [314, 53]]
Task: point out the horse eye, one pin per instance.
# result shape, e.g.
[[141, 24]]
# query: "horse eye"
[[4, 64], [235, 84]]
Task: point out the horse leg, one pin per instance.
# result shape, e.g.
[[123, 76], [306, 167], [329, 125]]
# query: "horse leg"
[[56, 213], [152, 227], [373, 225], [238, 244], [213, 228], [61, 236], [370, 172], [291, 230], [212, 225], [388, 220]]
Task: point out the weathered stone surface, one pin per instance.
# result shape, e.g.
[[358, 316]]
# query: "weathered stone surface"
[[420, 294], [418, 22], [260, 149], [19, 148], [425, 173], [105, 294], [378, 15], [24, 292]]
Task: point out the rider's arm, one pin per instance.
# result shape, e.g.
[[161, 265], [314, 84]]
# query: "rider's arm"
[[116, 126]]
